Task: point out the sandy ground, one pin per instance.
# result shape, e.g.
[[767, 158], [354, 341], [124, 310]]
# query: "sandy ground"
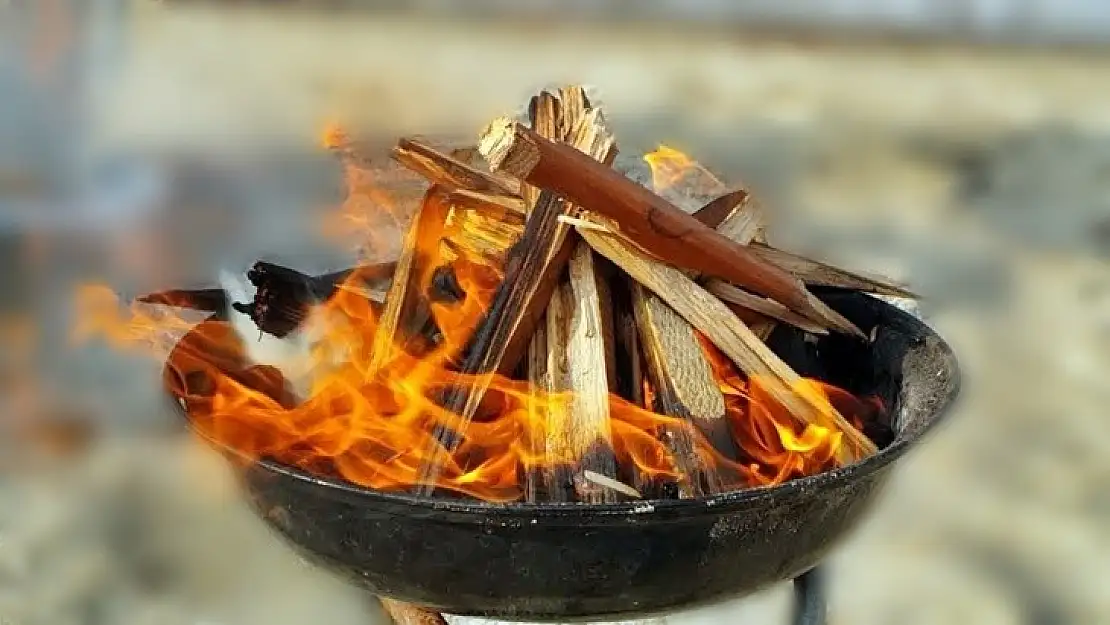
[[978, 176]]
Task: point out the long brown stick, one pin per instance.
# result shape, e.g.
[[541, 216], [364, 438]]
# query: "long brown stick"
[[642, 217]]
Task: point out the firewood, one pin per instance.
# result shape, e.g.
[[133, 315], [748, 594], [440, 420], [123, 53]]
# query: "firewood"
[[446, 172], [477, 199], [626, 336], [683, 383], [207, 300], [283, 296], [481, 232], [407, 614], [590, 135], [715, 212], [762, 305], [714, 320], [684, 387], [590, 478], [405, 311], [816, 273], [643, 217], [539, 381], [581, 311]]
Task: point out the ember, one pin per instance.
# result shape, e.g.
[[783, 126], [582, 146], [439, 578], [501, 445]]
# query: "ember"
[[552, 332]]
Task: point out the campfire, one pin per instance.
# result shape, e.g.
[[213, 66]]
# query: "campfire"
[[552, 331]]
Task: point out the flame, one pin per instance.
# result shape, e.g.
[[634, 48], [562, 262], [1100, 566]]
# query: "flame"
[[371, 409], [672, 170]]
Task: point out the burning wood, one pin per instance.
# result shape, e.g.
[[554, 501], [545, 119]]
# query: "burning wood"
[[553, 331], [407, 614], [447, 172]]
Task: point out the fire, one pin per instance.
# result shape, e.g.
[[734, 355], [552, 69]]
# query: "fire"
[[671, 169], [370, 410]]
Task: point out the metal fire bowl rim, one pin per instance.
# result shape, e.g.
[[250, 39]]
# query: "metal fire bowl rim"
[[485, 513]]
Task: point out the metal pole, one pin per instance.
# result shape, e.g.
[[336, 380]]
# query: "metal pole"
[[810, 607]]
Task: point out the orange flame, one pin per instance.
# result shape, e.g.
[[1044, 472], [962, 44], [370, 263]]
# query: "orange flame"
[[671, 170], [370, 409]]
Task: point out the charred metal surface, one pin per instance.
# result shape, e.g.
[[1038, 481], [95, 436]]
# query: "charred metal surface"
[[573, 561]]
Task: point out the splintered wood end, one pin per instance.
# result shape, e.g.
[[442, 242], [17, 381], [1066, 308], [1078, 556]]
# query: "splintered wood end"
[[507, 148]]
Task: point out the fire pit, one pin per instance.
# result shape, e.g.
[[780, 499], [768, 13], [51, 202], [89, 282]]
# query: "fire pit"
[[573, 561], [576, 401]]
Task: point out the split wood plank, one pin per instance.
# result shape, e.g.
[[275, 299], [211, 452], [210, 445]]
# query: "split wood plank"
[[407, 614], [448, 172]]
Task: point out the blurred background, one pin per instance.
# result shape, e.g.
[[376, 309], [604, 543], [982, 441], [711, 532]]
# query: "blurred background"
[[959, 145]]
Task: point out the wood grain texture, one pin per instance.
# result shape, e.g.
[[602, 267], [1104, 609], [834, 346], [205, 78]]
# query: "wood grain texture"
[[585, 434], [685, 387], [447, 172], [816, 273], [407, 614]]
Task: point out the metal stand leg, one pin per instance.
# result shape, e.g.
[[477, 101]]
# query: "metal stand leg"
[[809, 598]]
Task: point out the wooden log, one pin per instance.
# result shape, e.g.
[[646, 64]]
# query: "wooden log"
[[717, 323], [590, 135], [684, 384], [582, 435], [406, 314], [684, 387], [767, 307], [816, 273], [448, 173], [481, 232], [626, 335], [407, 614], [487, 201], [539, 380], [643, 217]]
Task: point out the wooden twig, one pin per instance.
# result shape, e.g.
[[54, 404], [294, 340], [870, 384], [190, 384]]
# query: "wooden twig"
[[447, 172], [407, 614], [816, 273], [762, 305], [643, 217], [714, 320]]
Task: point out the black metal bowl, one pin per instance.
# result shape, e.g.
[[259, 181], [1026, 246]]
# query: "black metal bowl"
[[584, 562]]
